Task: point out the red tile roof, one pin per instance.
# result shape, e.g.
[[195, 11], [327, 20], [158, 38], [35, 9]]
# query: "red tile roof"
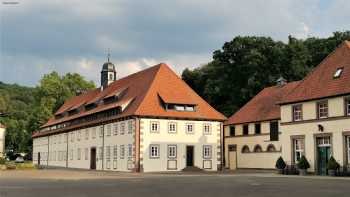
[[142, 91], [320, 83], [264, 106]]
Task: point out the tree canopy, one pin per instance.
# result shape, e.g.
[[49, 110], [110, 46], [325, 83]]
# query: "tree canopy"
[[247, 64], [28, 108]]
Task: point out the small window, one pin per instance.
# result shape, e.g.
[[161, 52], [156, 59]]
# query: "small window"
[[206, 129], [111, 76], [115, 152], [347, 106], [78, 153], [189, 128], [154, 127], [348, 148], [338, 73], [115, 129], [257, 149], [108, 153], [109, 130], [232, 130], [322, 109], [93, 133], [274, 131], [257, 128], [130, 127], [154, 151], [172, 126], [179, 107], [189, 108], [122, 151], [298, 149], [86, 134], [101, 131], [172, 152], [100, 153], [71, 154], [245, 149], [207, 152], [122, 128], [297, 113], [86, 153], [271, 148], [245, 129], [130, 150]]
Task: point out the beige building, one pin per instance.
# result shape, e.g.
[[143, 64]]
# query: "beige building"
[[147, 121], [252, 135], [2, 140], [315, 115]]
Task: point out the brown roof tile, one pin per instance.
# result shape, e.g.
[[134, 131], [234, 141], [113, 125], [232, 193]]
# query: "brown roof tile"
[[144, 89], [320, 83], [264, 106]]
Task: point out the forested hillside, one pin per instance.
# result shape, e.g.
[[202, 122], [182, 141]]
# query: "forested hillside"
[[27, 108], [245, 65]]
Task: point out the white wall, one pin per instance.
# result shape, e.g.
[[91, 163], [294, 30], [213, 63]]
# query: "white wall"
[[79, 139], [181, 139], [2, 141]]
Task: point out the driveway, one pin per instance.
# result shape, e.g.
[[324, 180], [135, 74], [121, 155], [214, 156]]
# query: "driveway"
[[68, 183]]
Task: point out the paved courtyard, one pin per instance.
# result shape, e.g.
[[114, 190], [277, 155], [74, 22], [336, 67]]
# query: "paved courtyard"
[[52, 183]]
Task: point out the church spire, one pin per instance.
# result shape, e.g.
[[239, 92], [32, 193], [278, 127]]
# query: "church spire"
[[108, 73]]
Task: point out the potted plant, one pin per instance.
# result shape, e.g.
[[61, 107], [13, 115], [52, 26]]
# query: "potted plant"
[[303, 165], [280, 165], [332, 166]]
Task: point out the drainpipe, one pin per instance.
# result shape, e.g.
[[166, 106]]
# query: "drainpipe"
[[48, 150], [103, 145], [67, 140]]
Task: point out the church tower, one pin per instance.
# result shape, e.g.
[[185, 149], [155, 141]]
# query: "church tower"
[[108, 73]]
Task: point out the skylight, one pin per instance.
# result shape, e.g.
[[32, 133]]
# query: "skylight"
[[338, 73]]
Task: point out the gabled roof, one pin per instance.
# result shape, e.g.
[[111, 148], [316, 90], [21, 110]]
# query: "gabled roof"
[[141, 93], [264, 106], [320, 83]]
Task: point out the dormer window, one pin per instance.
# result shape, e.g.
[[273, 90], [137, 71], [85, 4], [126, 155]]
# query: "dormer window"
[[180, 107], [72, 112], [338, 72]]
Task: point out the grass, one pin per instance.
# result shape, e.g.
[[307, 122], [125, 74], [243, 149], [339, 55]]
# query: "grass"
[[19, 166]]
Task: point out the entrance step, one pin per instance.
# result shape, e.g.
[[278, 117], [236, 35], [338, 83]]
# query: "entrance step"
[[192, 169]]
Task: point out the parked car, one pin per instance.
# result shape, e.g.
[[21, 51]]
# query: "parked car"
[[19, 159]]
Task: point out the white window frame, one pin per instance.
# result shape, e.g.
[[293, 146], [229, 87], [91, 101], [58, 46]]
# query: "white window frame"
[[187, 128], [130, 151], [154, 127], [115, 129], [71, 156], [115, 152], [297, 113], [298, 149], [100, 153], [130, 127], [172, 127], [86, 153], [122, 128], [172, 151], [347, 106], [154, 151], [323, 109], [108, 153], [206, 128], [79, 135], [101, 131], [122, 151], [93, 133], [207, 151], [87, 132], [109, 130], [78, 154]]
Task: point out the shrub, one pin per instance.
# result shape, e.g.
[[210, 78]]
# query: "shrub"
[[280, 164], [2, 161], [25, 166], [332, 164], [303, 163]]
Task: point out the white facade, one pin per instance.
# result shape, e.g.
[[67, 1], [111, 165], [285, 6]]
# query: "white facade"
[[179, 139], [2, 141], [74, 149], [119, 150]]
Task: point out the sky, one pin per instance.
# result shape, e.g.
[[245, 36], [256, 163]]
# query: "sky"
[[41, 36]]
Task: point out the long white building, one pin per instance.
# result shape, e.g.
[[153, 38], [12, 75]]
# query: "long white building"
[[148, 121]]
